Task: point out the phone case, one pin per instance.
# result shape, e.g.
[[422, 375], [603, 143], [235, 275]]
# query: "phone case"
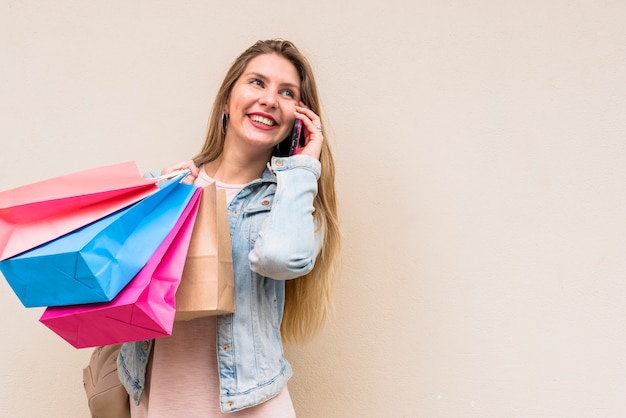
[[296, 138]]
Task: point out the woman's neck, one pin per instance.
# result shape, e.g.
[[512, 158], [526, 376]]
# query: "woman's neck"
[[232, 169]]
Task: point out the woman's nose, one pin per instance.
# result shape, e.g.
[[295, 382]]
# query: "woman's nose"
[[268, 98]]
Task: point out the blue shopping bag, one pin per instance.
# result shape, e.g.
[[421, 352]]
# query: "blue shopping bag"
[[94, 263]]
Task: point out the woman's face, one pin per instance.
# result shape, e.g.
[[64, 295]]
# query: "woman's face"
[[262, 102]]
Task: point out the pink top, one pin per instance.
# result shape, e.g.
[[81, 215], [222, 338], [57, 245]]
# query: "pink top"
[[182, 378]]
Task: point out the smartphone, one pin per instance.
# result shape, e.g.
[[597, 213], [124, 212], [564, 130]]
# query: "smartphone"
[[297, 139]]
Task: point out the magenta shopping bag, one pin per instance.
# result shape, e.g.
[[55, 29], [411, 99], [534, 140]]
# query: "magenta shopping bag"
[[144, 309]]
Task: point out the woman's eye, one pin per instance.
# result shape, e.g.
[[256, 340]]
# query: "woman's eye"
[[257, 82], [289, 93]]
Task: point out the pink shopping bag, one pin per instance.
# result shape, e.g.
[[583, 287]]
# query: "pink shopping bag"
[[37, 213], [144, 309]]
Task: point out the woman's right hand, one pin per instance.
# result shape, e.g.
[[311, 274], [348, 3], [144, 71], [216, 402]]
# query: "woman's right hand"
[[312, 131], [189, 164]]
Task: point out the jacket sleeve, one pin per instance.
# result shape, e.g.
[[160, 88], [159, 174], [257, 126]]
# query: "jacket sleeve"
[[152, 174], [290, 239]]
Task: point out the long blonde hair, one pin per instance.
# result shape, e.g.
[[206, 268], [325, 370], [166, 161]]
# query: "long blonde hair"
[[308, 299]]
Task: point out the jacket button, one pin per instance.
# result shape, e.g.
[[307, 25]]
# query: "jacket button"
[[279, 163], [225, 347], [144, 345], [230, 404], [265, 202]]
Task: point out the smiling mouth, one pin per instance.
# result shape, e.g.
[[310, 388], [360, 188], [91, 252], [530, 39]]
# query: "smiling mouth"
[[262, 120]]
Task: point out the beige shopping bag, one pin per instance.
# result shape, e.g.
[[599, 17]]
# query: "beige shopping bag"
[[207, 286]]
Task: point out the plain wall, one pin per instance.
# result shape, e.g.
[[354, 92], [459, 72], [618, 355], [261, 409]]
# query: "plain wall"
[[481, 166]]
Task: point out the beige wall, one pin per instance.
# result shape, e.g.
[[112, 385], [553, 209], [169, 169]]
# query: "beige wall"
[[481, 151]]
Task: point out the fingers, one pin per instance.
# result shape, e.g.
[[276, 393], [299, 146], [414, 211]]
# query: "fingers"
[[188, 180], [185, 165], [311, 120]]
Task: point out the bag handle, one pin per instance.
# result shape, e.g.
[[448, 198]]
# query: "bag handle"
[[182, 173]]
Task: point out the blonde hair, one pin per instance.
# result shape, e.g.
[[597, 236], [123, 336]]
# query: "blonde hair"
[[308, 299]]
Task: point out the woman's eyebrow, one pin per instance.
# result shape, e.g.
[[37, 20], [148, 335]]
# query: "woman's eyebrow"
[[255, 74]]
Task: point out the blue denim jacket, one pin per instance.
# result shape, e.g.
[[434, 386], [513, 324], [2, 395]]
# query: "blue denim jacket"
[[274, 238]]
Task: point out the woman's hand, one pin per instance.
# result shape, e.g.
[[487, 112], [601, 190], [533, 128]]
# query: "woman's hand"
[[313, 137], [189, 164]]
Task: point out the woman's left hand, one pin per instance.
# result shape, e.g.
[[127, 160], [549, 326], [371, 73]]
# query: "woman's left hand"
[[313, 137], [184, 165]]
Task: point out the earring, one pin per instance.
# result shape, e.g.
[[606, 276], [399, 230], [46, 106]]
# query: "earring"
[[224, 122]]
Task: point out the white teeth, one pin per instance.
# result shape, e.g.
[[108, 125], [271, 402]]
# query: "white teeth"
[[263, 120]]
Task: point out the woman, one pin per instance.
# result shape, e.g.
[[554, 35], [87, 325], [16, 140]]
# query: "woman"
[[285, 239]]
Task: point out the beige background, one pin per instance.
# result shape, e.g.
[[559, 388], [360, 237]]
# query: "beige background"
[[481, 159]]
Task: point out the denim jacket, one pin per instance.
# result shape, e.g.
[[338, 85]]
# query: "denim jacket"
[[274, 238]]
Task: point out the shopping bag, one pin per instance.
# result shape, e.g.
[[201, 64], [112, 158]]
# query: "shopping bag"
[[106, 396], [207, 286], [95, 262], [144, 309], [36, 213]]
